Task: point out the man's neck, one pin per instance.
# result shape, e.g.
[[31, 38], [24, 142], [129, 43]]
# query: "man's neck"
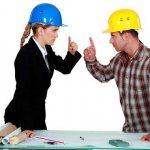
[[133, 46]]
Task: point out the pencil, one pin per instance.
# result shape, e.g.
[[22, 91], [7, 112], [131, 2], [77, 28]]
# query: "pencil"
[[47, 139]]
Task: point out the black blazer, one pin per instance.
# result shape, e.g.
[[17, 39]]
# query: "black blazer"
[[27, 108]]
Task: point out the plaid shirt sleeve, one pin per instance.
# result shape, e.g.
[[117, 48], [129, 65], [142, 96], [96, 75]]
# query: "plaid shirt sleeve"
[[102, 73]]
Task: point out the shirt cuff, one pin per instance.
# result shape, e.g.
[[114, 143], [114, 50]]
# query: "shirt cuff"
[[91, 62]]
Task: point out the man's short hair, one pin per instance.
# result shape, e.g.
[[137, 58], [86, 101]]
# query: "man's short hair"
[[133, 32]]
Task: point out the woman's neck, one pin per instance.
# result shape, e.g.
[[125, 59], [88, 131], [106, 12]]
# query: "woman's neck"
[[39, 41]]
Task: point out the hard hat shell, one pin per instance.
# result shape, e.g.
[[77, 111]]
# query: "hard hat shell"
[[46, 13], [123, 19]]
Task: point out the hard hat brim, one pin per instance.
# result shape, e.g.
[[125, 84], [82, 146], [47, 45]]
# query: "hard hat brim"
[[64, 25], [106, 31]]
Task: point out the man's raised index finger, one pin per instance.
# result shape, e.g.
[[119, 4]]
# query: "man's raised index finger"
[[91, 42]]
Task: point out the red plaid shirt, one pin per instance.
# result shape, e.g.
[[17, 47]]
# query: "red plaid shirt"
[[133, 81]]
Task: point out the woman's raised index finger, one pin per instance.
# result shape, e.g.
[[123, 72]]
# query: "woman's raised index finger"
[[69, 40]]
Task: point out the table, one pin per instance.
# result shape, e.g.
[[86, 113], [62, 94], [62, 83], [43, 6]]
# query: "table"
[[79, 140]]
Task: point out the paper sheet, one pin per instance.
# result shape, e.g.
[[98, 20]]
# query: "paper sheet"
[[18, 138]]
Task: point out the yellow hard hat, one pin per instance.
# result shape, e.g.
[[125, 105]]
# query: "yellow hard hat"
[[123, 19]]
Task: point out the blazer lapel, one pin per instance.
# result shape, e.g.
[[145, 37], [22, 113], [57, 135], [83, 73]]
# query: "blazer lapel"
[[38, 54]]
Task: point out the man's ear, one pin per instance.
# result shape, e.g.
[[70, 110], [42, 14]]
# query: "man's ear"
[[126, 36]]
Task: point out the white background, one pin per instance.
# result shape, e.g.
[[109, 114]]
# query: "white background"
[[76, 101]]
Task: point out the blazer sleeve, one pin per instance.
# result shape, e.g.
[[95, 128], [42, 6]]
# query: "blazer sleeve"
[[65, 65], [23, 86]]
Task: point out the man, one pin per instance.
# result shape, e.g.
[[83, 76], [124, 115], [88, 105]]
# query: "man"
[[130, 68]]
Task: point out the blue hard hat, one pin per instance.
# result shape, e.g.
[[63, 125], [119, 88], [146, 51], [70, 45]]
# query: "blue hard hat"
[[46, 14]]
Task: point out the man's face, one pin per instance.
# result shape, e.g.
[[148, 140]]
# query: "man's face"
[[118, 41]]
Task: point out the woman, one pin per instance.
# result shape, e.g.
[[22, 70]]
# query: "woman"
[[34, 67]]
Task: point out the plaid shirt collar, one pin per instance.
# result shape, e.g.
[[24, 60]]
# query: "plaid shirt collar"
[[138, 55]]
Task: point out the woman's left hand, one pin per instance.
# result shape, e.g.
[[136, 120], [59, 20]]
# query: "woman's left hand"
[[146, 138], [29, 133], [72, 46]]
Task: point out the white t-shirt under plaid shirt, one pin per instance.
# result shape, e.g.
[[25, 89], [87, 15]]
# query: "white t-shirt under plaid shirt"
[[133, 81]]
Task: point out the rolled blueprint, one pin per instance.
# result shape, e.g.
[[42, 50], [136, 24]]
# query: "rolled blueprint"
[[5, 125], [6, 129], [5, 140], [18, 138], [1, 139]]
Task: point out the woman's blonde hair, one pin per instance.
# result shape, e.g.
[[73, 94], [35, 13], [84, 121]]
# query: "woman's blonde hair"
[[28, 30], [26, 33]]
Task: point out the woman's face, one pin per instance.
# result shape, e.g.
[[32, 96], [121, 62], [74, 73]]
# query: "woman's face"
[[50, 34]]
